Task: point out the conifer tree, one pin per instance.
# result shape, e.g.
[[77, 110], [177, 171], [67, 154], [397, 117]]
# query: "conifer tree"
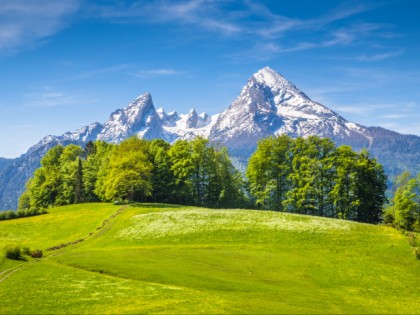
[[78, 190]]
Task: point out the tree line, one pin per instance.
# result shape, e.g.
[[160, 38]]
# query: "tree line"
[[188, 172], [308, 176], [313, 176]]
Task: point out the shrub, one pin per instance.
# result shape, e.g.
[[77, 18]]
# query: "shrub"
[[26, 250], [37, 253], [7, 215], [12, 252], [120, 202], [417, 252], [411, 239]]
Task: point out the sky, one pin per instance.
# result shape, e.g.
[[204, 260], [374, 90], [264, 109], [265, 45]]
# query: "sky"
[[65, 64]]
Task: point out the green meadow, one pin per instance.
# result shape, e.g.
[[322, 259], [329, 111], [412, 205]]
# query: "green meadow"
[[158, 258]]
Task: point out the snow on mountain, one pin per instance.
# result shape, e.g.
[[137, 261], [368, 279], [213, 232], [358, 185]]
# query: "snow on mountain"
[[191, 125], [271, 105], [138, 118]]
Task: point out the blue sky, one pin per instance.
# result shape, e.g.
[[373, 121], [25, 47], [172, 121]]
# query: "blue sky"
[[68, 63]]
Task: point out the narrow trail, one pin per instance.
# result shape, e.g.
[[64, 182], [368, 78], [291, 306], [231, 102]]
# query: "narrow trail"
[[99, 230], [91, 234], [8, 272]]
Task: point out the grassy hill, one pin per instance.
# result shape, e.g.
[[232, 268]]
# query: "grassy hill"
[[155, 258]]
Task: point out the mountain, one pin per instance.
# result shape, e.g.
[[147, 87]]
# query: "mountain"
[[4, 162], [267, 105], [271, 105]]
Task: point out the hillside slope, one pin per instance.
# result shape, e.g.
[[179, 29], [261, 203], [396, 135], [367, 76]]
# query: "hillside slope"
[[173, 259]]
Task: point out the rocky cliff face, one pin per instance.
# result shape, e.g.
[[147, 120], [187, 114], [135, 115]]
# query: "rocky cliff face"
[[267, 105]]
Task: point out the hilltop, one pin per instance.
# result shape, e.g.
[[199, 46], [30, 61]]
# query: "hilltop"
[[160, 258]]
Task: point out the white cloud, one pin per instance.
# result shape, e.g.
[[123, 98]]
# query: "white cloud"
[[25, 22], [379, 57], [104, 70], [204, 14], [248, 18], [362, 109], [156, 73], [395, 116], [49, 97]]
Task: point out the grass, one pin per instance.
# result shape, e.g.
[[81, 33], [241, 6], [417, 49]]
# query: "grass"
[[60, 225], [174, 259]]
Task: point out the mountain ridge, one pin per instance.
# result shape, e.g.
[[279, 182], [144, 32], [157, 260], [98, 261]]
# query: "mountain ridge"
[[267, 105]]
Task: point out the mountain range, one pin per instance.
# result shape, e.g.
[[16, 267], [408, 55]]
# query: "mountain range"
[[267, 105]]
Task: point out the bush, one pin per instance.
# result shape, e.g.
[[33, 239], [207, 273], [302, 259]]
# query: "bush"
[[12, 252], [37, 253], [417, 252], [412, 239], [9, 214], [26, 251], [120, 202]]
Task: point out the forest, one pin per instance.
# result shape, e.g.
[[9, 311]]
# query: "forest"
[[304, 175]]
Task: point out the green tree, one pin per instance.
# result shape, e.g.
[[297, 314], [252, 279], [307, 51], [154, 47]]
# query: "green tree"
[[46, 183], [182, 167], [68, 172], [226, 183], [343, 194], [163, 181], [97, 156], [268, 172], [370, 189], [128, 172], [25, 198], [78, 189], [404, 211], [311, 176]]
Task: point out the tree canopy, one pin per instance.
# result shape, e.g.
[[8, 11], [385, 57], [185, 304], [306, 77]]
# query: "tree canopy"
[[188, 172], [312, 176], [308, 176]]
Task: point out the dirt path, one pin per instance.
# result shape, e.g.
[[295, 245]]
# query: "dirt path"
[[99, 230]]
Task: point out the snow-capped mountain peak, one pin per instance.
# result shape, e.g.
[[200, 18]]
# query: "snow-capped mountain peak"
[[272, 79], [203, 116], [192, 119], [138, 118], [271, 105]]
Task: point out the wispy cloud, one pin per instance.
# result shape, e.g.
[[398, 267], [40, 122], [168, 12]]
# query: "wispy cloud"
[[24, 23], [244, 18], [103, 70], [395, 116], [378, 76], [156, 73], [363, 109], [127, 69], [49, 97], [204, 14], [343, 12], [379, 57], [371, 57], [249, 19], [345, 36]]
